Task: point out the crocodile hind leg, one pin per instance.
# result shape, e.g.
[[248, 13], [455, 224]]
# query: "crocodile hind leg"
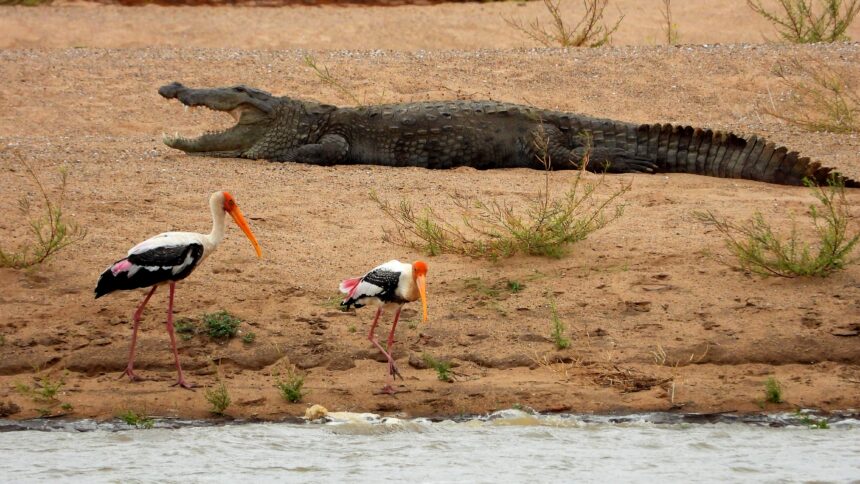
[[330, 150]]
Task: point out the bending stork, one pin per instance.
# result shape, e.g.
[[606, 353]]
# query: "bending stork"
[[165, 259], [390, 285]]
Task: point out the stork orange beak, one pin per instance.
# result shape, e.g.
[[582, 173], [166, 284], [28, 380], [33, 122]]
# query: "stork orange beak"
[[240, 221], [422, 290]]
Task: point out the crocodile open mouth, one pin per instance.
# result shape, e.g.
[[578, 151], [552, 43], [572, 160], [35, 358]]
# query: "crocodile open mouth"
[[250, 108]]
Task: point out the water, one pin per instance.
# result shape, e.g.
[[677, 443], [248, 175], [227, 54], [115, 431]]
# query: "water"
[[509, 446]]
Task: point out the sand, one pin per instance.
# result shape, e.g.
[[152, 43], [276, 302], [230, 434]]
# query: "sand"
[[656, 320]]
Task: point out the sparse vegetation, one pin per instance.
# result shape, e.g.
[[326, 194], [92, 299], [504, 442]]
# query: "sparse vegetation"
[[515, 286], [495, 229], [810, 21], [249, 337], [139, 420], [67, 407], [811, 422], [290, 385], [51, 231], [497, 290], [218, 397], [351, 328], [670, 29], [772, 391], [443, 368], [327, 78], [820, 97], [185, 328], [558, 338], [2, 340], [221, 325], [45, 389], [759, 249], [589, 31]]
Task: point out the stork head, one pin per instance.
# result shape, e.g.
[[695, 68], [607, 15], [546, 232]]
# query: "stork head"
[[229, 205], [419, 273]]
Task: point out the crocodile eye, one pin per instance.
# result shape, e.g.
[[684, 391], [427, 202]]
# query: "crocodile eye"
[[239, 89]]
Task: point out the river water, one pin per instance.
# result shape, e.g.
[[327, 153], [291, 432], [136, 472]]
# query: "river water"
[[508, 446]]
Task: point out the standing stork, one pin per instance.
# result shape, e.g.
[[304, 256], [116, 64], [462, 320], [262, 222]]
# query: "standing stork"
[[165, 259], [390, 285]]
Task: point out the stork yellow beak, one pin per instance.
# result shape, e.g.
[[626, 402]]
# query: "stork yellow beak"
[[422, 290], [240, 221]]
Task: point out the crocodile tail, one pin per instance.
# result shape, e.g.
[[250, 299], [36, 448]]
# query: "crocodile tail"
[[684, 149]]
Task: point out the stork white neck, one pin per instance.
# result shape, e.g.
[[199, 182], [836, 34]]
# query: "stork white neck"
[[216, 205]]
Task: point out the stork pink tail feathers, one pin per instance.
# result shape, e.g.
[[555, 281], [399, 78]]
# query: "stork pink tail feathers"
[[348, 286]]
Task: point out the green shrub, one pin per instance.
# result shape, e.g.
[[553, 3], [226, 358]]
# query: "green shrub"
[[50, 232], [810, 21], [218, 398], [761, 250], [290, 387], [772, 391], [542, 225]]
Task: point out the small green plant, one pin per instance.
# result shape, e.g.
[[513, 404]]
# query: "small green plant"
[[47, 389], [670, 29], [558, 338], [443, 368], [820, 97], [221, 325], [139, 420], [249, 337], [811, 422], [589, 31], [67, 407], [351, 328], [772, 391], [2, 340], [290, 386], [810, 21], [515, 286], [51, 232], [185, 328], [218, 397], [760, 250]]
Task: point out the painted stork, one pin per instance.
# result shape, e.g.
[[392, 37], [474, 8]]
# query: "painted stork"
[[390, 285], [165, 259]]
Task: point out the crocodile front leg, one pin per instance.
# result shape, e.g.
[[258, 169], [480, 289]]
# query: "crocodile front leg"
[[331, 150]]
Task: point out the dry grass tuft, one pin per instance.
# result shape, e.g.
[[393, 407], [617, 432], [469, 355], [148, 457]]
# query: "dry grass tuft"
[[820, 97], [589, 31]]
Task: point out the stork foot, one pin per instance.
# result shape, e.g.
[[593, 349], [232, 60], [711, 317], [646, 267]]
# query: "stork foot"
[[182, 383], [393, 371], [388, 389], [131, 375]]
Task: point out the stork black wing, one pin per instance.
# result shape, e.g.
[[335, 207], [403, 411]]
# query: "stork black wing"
[[165, 256], [385, 279]]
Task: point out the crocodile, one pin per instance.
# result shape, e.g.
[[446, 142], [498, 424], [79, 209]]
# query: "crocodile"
[[479, 134]]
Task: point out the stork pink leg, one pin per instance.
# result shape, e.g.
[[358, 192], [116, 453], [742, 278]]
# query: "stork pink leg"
[[129, 369], [181, 381], [392, 369], [372, 337]]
